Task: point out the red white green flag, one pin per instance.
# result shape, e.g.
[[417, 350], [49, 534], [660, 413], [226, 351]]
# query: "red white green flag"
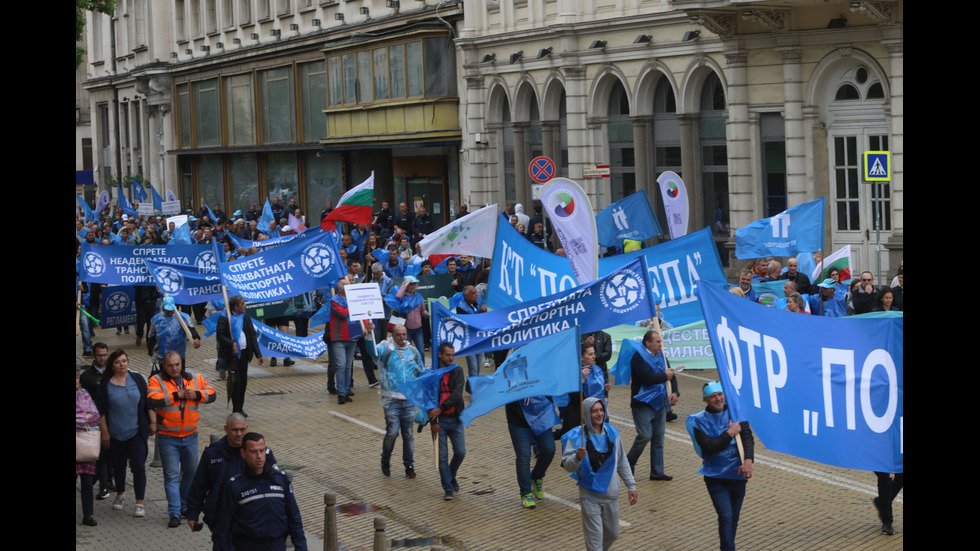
[[354, 207], [840, 259]]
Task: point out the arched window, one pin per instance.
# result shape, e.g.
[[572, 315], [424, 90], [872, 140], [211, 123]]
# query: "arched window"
[[621, 153], [714, 150]]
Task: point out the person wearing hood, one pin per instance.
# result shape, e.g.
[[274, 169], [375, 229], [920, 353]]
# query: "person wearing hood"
[[725, 474], [522, 217], [594, 463]]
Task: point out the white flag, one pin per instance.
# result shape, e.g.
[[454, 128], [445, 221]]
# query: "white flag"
[[472, 234], [570, 212]]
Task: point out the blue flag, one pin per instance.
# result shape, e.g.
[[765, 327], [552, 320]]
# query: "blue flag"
[[89, 213], [118, 307], [266, 219], [157, 200], [123, 203], [796, 230], [214, 219], [423, 391], [824, 389], [619, 297], [296, 267], [181, 235], [628, 218], [186, 283], [139, 194], [546, 367]]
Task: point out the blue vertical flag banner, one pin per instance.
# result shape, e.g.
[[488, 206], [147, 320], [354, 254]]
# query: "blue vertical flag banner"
[[186, 283], [629, 218], [123, 203], [125, 265], [287, 270], [423, 391], [620, 296], [118, 307], [827, 390], [157, 200], [523, 272], [570, 212], [89, 213], [795, 230], [266, 219], [139, 193], [550, 366]]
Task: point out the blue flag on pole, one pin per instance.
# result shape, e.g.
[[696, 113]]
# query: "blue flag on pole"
[[628, 218], [157, 200], [89, 213], [266, 219], [123, 203], [139, 193], [824, 389], [795, 230], [546, 367], [423, 391]]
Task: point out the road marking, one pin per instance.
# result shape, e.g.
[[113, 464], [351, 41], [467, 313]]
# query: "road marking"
[[357, 422]]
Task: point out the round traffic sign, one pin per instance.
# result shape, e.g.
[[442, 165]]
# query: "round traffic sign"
[[541, 169]]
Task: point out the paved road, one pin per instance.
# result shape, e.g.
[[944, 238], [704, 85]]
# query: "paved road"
[[790, 503]]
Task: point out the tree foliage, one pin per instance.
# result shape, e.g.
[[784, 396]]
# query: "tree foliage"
[[81, 6]]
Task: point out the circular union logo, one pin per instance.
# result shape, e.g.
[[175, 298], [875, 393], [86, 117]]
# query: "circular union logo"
[[117, 301], [206, 261], [94, 264], [453, 332], [563, 205], [316, 260], [623, 292], [169, 281]]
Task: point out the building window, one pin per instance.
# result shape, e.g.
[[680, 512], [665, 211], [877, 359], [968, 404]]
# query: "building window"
[[280, 175], [207, 113], [227, 13], [324, 181], [195, 18], [666, 130], [622, 157], [418, 68], [184, 115], [180, 24], [243, 172], [210, 180], [773, 164], [244, 12], [314, 89], [277, 105], [240, 110], [714, 150], [211, 13], [846, 183]]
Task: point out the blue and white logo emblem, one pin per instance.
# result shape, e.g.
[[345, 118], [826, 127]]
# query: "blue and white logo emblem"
[[316, 259], [117, 301], [94, 264], [623, 292], [169, 281], [454, 332], [206, 261]]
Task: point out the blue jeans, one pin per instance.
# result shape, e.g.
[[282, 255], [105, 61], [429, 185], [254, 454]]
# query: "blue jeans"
[[651, 425], [522, 438], [179, 458], [85, 326], [450, 428], [472, 365], [399, 414], [726, 496], [415, 337], [341, 363]]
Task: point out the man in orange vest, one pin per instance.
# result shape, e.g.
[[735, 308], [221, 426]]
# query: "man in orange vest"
[[176, 395]]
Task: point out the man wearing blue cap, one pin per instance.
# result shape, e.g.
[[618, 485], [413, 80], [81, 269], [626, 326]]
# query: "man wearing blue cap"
[[166, 333], [725, 474], [828, 302]]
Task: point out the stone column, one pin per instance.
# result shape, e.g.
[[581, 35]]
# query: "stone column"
[[796, 185], [744, 203]]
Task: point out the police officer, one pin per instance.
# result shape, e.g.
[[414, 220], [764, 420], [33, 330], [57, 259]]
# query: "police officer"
[[219, 462], [258, 505]]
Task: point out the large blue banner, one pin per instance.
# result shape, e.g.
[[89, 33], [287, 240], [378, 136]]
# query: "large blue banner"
[[124, 264], [287, 270], [187, 284], [277, 344], [828, 390], [118, 307], [522, 272], [795, 230], [275, 241], [547, 367], [629, 218], [619, 297]]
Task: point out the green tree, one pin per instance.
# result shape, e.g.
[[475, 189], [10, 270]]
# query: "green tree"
[[81, 6]]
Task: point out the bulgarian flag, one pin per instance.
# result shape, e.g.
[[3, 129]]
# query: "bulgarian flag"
[[354, 207], [840, 259]]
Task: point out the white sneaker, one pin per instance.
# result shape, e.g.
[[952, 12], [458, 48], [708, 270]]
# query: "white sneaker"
[[140, 511], [118, 502]]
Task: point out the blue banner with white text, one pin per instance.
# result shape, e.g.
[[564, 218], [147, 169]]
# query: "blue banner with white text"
[[619, 297], [287, 270], [523, 272], [186, 283], [124, 264], [118, 307], [824, 389]]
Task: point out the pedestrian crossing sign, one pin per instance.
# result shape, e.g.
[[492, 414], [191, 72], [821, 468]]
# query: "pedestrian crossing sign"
[[877, 166]]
